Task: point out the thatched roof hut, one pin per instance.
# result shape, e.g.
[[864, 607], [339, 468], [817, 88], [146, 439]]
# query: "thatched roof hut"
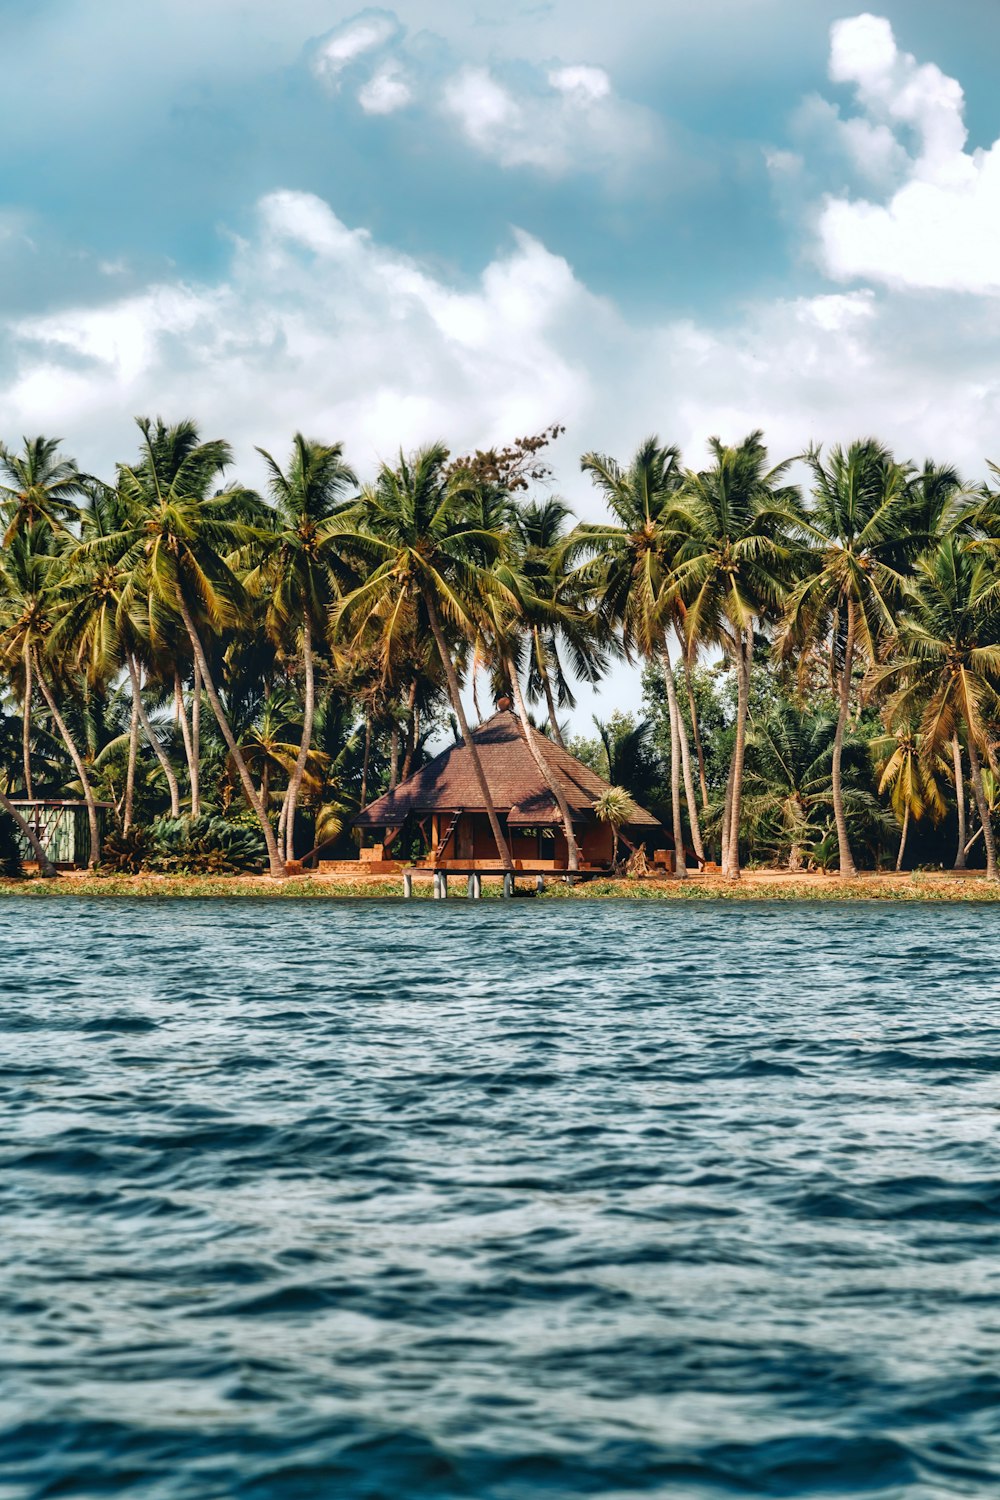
[[443, 800]]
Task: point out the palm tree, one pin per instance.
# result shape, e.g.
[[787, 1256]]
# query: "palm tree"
[[636, 554], [615, 806], [947, 658], [416, 530], [731, 570], [37, 486], [30, 601], [102, 624], [859, 546], [181, 538], [911, 778], [298, 572], [556, 608]]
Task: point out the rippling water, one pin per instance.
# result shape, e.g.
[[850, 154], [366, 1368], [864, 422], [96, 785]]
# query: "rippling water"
[[499, 1200]]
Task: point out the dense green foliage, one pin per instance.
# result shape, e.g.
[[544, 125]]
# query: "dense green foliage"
[[235, 674]]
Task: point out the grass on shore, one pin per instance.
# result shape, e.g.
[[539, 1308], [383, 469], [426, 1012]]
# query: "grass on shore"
[[753, 887]]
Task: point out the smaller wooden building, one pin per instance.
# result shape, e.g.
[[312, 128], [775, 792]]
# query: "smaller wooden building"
[[61, 827], [444, 802]]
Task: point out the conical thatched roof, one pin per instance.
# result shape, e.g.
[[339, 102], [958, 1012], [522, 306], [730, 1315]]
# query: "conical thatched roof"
[[448, 783]]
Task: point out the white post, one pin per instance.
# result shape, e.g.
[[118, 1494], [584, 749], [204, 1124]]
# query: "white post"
[[444, 886], [470, 888], [539, 883], [407, 885], [508, 884], [477, 886]]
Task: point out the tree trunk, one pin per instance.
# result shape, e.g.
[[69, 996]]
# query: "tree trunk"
[[984, 812], [689, 794], [394, 756], [573, 852], [308, 717], [680, 859], [275, 860], [196, 742], [795, 859], [133, 752], [732, 866], [902, 838], [550, 703], [366, 758], [956, 756], [45, 866], [158, 750], [81, 770], [180, 714], [411, 729], [29, 790], [695, 731], [727, 818], [456, 703], [848, 871]]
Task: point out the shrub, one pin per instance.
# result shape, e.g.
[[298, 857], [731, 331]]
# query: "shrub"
[[10, 854], [208, 845]]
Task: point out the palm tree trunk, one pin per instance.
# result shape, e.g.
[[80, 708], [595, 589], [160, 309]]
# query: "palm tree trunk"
[[158, 750], [133, 753], [573, 852], [180, 714], [45, 866], [366, 757], [305, 745], [956, 757], [196, 743], [411, 729], [984, 811], [456, 702], [394, 756], [550, 703], [732, 866], [81, 770], [848, 871], [680, 860], [277, 864], [727, 817], [689, 794], [696, 732], [902, 838], [29, 790]]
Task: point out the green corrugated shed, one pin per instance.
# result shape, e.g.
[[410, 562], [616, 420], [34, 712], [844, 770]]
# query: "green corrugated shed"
[[62, 828]]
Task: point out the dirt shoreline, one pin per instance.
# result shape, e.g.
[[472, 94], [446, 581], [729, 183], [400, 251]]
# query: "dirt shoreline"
[[755, 885]]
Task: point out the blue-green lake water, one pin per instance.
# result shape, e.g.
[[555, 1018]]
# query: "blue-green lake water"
[[501, 1200]]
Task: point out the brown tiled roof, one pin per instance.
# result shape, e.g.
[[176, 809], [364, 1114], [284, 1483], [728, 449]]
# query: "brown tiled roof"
[[448, 783]]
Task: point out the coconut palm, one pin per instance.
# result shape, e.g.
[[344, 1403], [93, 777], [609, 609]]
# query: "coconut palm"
[[416, 530], [947, 659], [736, 522], [37, 486], [861, 535], [911, 778], [298, 572], [636, 555], [615, 807], [182, 536]]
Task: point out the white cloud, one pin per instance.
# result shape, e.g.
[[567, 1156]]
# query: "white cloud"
[[345, 45], [939, 227], [317, 326], [567, 120], [385, 92]]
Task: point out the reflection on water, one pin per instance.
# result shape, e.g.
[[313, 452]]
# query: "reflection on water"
[[498, 1200]]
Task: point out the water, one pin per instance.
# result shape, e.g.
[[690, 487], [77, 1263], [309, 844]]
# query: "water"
[[500, 1200]]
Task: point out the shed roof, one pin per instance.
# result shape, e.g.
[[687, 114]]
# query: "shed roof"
[[448, 783]]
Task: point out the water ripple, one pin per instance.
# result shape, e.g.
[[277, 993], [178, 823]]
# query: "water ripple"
[[499, 1200]]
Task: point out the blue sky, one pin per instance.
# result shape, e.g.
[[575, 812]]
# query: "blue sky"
[[460, 219]]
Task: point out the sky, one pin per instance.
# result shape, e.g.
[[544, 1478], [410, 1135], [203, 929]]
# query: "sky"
[[471, 218]]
